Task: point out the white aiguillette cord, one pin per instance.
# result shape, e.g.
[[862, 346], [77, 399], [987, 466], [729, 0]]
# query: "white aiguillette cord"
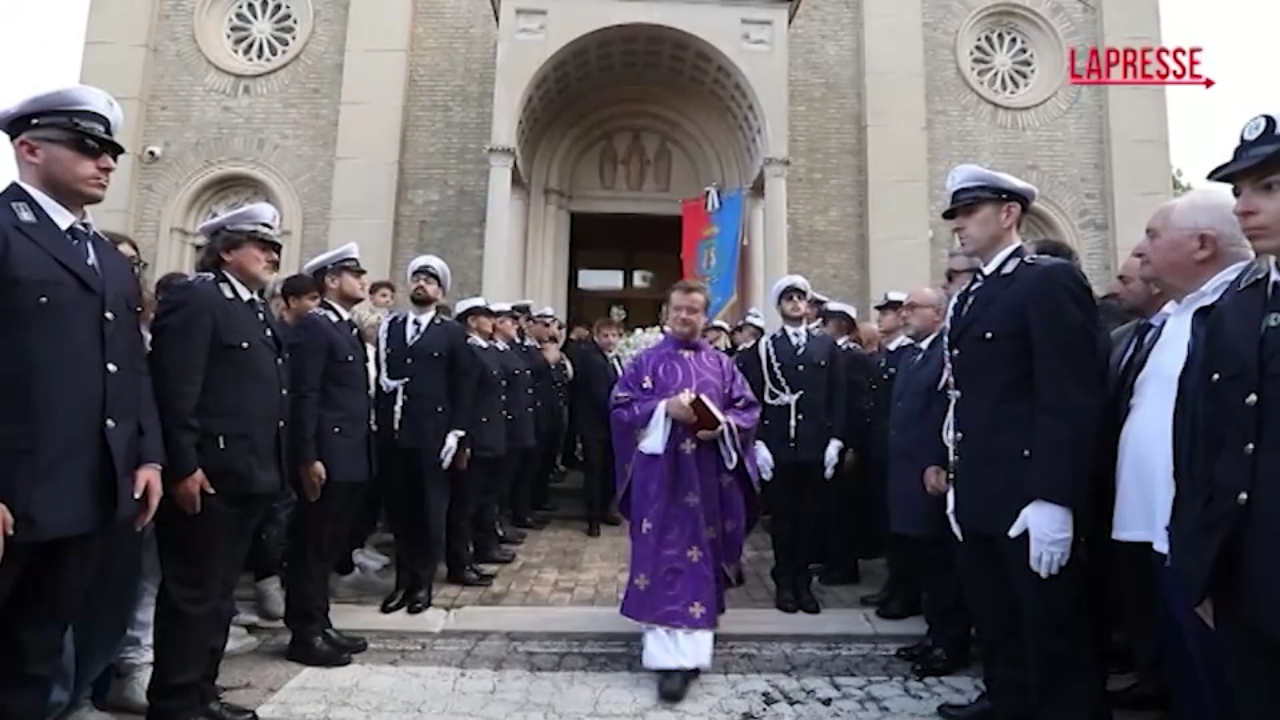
[[772, 394], [389, 385]]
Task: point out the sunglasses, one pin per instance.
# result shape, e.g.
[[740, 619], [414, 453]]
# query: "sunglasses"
[[84, 146]]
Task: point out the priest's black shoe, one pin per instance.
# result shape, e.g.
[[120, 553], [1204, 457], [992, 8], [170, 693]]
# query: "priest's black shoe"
[[395, 601], [315, 651], [418, 601], [785, 600], [495, 556], [939, 663], [481, 571], [836, 576], [466, 577], [913, 652], [673, 685], [219, 710], [805, 600], [980, 709], [896, 609], [875, 599], [1141, 696], [351, 644], [593, 529]]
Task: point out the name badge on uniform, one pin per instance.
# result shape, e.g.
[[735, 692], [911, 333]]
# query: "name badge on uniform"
[[23, 211]]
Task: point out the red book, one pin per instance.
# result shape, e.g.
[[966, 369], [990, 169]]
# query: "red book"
[[706, 415]]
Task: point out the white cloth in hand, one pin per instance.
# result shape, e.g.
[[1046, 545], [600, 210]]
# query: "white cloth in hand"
[[764, 461], [450, 448], [1050, 530], [951, 513], [831, 458]]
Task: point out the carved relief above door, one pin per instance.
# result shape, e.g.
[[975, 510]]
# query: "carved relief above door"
[[636, 161]]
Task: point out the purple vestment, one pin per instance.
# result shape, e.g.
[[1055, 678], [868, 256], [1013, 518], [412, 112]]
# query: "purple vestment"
[[689, 514]]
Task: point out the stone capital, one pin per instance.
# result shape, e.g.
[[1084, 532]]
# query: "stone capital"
[[501, 156], [776, 167]]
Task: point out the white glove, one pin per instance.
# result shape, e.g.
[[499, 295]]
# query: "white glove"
[[764, 461], [831, 458], [951, 513], [450, 448], [1050, 529]]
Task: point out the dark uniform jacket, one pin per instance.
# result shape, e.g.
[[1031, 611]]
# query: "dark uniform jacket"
[[858, 372], [1026, 362], [818, 373], [329, 387], [915, 443], [884, 371], [221, 382], [593, 381], [439, 393], [1226, 519], [487, 435], [77, 416], [520, 405]]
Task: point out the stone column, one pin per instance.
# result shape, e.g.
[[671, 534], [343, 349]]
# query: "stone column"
[[559, 259], [513, 269], [537, 285], [775, 229], [498, 249], [757, 288]]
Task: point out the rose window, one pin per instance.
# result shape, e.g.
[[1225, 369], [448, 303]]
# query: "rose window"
[[262, 32], [1003, 61]]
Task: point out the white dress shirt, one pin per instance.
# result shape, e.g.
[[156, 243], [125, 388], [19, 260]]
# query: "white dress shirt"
[[1144, 465], [61, 216], [420, 320]]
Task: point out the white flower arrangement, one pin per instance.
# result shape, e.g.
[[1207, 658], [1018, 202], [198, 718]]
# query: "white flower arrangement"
[[640, 339]]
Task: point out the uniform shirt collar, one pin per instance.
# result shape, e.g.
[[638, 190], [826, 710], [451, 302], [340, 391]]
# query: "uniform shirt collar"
[[60, 215], [993, 267], [241, 289], [424, 317], [479, 340], [897, 342], [342, 313], [924, 344], [1209, 292]]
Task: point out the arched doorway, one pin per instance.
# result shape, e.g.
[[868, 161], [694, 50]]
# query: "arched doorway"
[[610, 133]]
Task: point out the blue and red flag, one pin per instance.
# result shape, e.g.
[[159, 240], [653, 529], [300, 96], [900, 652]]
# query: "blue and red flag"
[[711, 245]]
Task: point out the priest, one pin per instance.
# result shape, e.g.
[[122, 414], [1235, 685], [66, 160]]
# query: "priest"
[[683, 422]]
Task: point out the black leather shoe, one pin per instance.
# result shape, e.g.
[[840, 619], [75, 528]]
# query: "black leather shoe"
[[673, 685], [593, 529], [875, 599], [613, 519], [529, 522], [547, 507], [838, 576], [351, 644], [395, 601], [1141, 696], [495, 556], [315, 651], [468, 578], [481, 571], [980, 709], [913, 652], [219, 710], [939, 663], [895, 609], [510, 535], [805, 600], [418, 601], [785, 600]]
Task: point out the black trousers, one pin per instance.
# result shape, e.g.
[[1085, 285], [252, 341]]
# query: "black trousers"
[[931, 564], [1038, 660], [415, 493], [363, 525], [838, 541], [318, 533], [905, 581], [485, 478], [523, 466], [1250, 662], [464, 497], [201, 557], [795, 499], [267, 553], [43, 588], [547, 459], [598, 478], [1132, 600]]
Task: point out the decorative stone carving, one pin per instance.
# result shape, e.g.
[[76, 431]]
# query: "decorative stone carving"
[[608, 165], [757, 34], [249, 38], [662, 166], [635, 163], [530, 24], [1011, 55]]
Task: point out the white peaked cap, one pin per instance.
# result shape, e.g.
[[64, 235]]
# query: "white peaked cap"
[[433, 265], [755, 321], [546, 313], [471, 304], [969, 184], [346, 257], [720, 325], [80, 108], [818, 297], [838, 308], [893, 297], [261, 218], [522, 303], [789, 282], [501, 308]]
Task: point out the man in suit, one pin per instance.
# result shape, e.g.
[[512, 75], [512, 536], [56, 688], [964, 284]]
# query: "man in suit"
[[80, 444], [1023, 370], [426, 387], [330, 453], [597, 368], [1226, 516], [221, 383], [800, 380], [917, 510]]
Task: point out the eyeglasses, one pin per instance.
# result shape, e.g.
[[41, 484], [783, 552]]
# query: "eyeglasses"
[[84, 146]]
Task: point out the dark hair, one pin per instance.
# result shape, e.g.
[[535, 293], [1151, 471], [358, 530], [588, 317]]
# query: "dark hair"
[[381, 285], [1113, 313], [690, 286], [604, 325], [444, 311], [1055, 248], [298, 286], [117, 239], [167, 282]]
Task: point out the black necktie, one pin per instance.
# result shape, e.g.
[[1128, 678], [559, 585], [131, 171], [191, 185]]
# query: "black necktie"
[[965, 298], [82, 240], [1137, 356]]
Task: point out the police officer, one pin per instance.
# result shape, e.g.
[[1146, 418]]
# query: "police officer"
[[80, 444], [1024, 372], [799, 377], [426, 390], [525, 484], [520, 408], [330, 453], [1226, 517], [472, 515], [221, 383]]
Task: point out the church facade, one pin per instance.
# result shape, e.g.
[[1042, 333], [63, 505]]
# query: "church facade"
[[542, 147]]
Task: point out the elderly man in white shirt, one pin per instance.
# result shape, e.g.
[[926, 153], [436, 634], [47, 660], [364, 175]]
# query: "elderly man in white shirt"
[[1192, 251]]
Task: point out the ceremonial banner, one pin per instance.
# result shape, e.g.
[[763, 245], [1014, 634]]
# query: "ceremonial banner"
[[711, 245]]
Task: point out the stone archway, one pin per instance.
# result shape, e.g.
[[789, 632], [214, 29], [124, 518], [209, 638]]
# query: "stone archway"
[[628, 118]]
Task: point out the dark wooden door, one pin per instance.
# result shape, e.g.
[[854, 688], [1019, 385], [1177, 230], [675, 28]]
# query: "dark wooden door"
[[622, 260]]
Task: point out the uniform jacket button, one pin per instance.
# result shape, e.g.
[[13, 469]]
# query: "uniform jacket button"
[[1242, 498], [284, 391], [1251, 399], [111, 368], [1026, 453], [43, 300], [1215, 377], [281, 423], [1248, 448], [110, 424], [337, 431], [108, 315], [987, 335], [244, 345]]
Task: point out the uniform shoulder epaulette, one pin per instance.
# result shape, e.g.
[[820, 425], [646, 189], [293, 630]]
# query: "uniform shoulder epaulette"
[[202, 277], [473, 340]]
